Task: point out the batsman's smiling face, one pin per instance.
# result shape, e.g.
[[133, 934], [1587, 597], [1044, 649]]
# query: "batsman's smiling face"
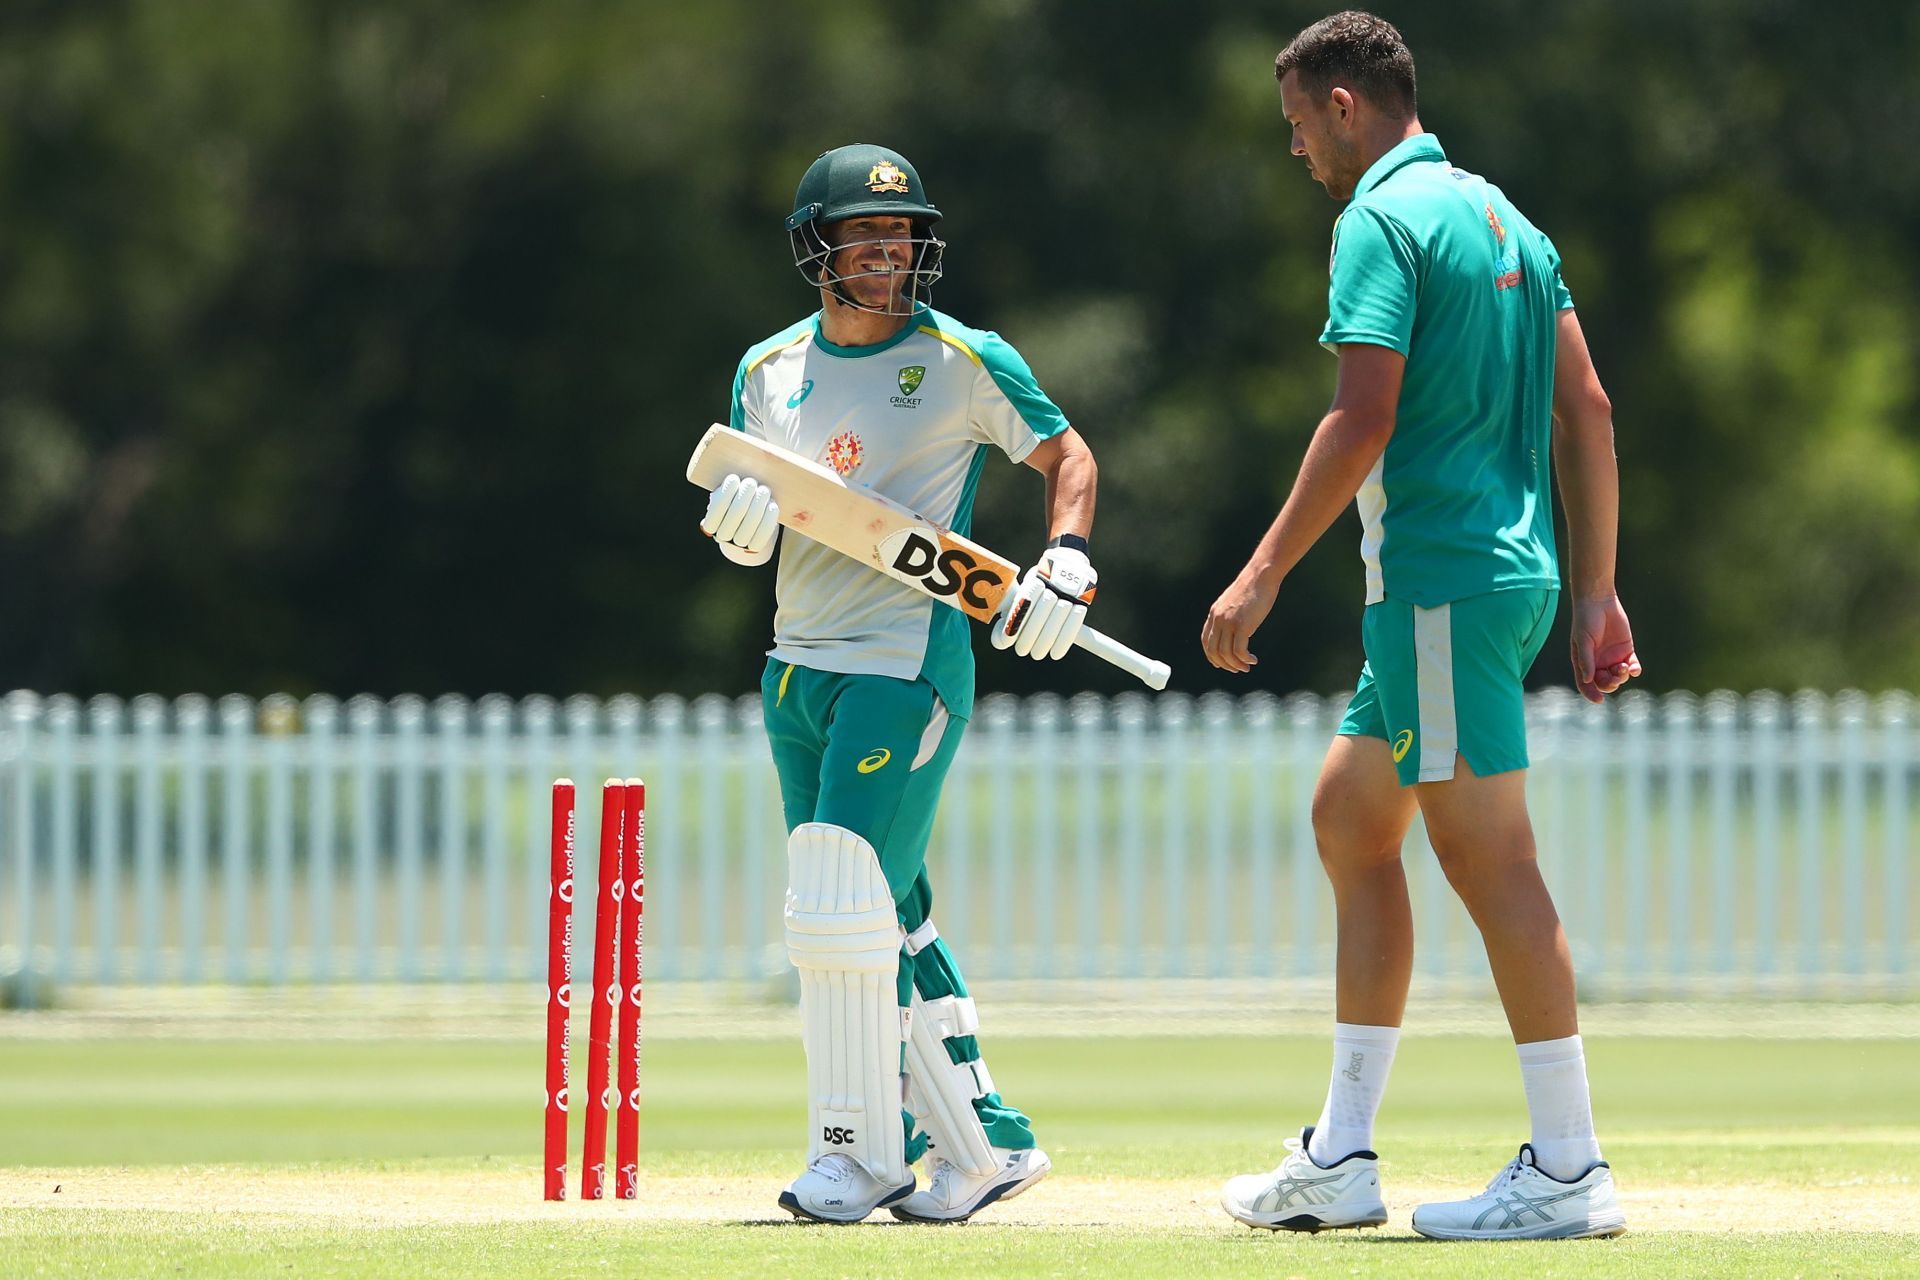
[[1322, 134], [873, 258]]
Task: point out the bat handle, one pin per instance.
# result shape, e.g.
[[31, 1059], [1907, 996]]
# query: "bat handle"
[[1153, 674]]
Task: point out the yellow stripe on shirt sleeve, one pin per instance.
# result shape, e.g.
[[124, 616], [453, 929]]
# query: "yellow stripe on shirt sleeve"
[[951, 341], [766, 356]]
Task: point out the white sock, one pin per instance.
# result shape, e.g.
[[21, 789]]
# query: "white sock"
[[1362, 1056], [1554, 1073]]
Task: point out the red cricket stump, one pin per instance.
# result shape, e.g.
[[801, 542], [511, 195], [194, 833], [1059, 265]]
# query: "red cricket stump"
[[633, 867], [559, 991], [606, 989]]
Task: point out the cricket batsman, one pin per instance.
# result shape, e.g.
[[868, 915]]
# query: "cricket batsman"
[[1462, 376], [869, 686]]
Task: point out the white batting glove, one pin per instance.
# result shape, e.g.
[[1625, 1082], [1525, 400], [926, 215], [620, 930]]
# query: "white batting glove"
[[744, 519], [1042, 615]]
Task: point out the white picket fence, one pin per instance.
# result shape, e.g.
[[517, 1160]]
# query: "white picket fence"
[[1721, 844]]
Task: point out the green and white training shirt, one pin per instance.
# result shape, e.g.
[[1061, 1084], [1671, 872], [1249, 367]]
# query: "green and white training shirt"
[[910, 418], [1437, 264]]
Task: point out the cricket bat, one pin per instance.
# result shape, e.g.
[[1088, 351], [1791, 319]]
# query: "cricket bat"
[[857, 522]]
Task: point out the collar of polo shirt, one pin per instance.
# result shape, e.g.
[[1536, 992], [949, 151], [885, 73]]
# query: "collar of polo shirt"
[[1421, 146]]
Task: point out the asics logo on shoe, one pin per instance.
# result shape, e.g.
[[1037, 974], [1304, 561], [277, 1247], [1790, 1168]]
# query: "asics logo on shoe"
[[1514, 1206], [1295, 1190]]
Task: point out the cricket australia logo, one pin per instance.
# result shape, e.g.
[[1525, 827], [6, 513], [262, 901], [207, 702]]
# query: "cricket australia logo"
[[845, 452], [909, 381], [886, 176]]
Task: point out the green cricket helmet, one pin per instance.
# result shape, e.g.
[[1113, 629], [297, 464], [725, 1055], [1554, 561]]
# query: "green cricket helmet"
[[863, 180]]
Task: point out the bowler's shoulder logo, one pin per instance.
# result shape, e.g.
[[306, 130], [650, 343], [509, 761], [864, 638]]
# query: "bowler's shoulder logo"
[[845, 452], [886, 176], [1496, 226], [910, 378]]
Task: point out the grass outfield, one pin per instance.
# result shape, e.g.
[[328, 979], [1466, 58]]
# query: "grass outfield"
[[411, 1159]]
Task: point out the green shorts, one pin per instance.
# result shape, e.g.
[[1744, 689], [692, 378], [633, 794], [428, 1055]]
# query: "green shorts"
[[1448, 680], [868, 753]]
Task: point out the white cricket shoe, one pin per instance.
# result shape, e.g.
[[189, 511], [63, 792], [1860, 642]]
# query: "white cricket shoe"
[[954, 1195], [838, 1188], [1524, 1203], [1302, 1196]]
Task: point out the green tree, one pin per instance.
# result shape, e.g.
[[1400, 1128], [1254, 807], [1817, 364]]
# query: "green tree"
[[355, 346]]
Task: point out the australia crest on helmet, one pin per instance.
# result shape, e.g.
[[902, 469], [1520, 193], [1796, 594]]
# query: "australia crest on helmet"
[[887, 176]]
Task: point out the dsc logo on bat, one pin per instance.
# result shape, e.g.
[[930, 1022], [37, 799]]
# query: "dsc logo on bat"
[[916, 556]]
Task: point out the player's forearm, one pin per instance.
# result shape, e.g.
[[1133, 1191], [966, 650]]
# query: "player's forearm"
[[1589, 477], [1071, 483], [1343, 452]]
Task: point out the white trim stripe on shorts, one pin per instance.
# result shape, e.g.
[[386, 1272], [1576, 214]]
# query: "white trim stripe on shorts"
[[1433, 681], [931, 736]]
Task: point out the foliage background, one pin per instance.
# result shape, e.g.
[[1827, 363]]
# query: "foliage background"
[[357, 346]]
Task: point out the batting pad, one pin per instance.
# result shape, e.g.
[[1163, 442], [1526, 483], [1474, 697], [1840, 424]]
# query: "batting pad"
[[844, 938], [940, 1091]]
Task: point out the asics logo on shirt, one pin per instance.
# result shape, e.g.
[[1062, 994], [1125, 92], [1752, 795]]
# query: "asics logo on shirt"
[[805, 389], [875, 762]]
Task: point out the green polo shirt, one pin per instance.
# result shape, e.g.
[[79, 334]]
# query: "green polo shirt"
[[1437, 264]]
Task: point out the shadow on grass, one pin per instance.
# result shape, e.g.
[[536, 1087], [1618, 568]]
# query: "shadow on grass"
[[807, 1224]]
